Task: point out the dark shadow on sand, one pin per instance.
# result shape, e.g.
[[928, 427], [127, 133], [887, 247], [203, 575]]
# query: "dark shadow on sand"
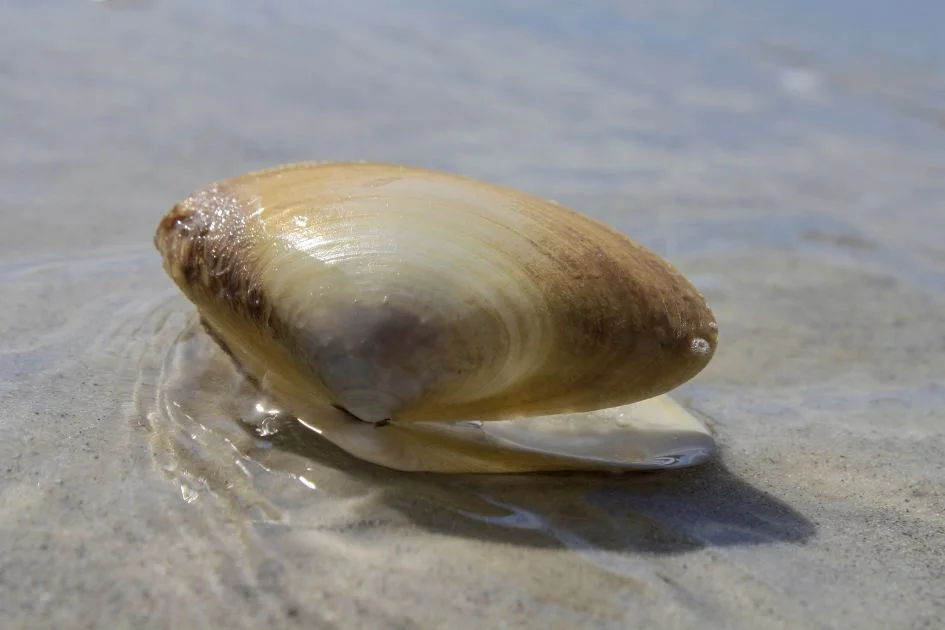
[[656, 512]]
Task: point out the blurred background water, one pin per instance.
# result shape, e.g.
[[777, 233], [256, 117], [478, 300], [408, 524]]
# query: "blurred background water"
[[788, 156]]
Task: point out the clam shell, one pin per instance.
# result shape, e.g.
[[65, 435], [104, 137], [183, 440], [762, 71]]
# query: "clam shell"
[[390, 293], [657, 433]]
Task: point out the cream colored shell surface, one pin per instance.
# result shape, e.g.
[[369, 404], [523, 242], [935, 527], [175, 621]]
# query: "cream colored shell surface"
[[413, 295]]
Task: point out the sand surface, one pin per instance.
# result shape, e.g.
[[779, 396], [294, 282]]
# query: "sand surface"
[[788, 159]]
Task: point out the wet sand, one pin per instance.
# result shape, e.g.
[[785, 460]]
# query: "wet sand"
[[793, 174]]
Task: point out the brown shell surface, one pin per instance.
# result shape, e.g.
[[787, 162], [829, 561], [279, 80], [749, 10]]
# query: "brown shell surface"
[[415, 295]]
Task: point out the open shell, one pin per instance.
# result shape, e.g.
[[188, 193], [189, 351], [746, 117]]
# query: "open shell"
[[483, 326]]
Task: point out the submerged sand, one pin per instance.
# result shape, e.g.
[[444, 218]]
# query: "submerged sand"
[[796, 180]]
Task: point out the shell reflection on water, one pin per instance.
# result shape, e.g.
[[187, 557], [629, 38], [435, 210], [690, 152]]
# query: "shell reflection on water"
[[429, 322]]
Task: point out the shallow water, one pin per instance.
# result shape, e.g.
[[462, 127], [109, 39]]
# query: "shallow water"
[[787, 157]]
